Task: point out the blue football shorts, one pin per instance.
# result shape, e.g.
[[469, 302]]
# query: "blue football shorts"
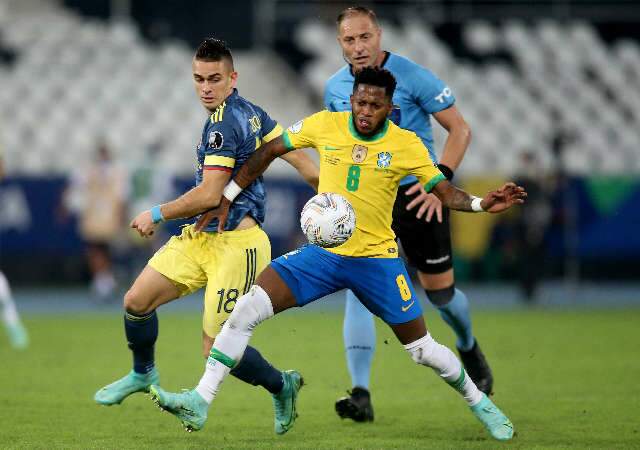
[[381, 284]]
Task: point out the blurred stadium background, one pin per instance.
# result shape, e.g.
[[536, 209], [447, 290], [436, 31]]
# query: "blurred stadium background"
[[551, 89]]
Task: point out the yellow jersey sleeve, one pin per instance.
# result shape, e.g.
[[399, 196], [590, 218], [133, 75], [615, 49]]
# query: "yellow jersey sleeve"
[[421, 165], [305, 133], [271, 135]]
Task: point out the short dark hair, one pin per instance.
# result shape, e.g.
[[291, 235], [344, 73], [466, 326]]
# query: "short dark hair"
[[376, 76], [357, 10], [212, 49]]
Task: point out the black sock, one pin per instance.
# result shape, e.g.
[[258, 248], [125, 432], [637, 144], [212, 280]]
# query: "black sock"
[[142, 332], [256, 370]]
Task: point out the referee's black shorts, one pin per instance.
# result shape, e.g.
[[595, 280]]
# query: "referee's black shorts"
[[427, 245]]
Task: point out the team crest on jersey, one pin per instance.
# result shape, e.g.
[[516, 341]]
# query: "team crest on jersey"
[[216, 139], [384, 159], [295, 128], [359, 153], [254, 122]]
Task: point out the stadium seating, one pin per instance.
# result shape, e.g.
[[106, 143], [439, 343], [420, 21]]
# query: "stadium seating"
[[563, 79], [76, 81]]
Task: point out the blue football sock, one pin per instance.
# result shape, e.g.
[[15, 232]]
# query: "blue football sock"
[[456, 313], [359, 340], [142, 332], [256, 370]]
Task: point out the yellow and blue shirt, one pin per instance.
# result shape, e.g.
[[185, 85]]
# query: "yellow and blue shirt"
[[230, 135], [419, 94], [366, 171]]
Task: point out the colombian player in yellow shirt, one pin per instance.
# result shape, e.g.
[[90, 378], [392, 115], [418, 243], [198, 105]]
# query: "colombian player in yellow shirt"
[[363, 157]]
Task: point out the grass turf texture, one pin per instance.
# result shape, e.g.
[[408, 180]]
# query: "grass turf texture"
[[566, 380]]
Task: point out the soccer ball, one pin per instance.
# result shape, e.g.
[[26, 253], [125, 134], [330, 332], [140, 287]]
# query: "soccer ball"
[[328, 220]]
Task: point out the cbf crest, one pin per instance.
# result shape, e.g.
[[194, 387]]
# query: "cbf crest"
[[384, 159], [359, 153]]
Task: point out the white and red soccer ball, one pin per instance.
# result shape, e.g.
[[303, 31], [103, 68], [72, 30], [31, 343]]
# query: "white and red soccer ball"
[[328, 220]]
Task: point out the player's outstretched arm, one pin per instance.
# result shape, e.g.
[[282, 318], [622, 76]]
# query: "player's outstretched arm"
[[199, 199], [494, 202], [305, 167]]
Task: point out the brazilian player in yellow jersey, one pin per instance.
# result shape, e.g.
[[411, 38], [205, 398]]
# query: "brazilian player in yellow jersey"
[[363, 158], [366, 170]]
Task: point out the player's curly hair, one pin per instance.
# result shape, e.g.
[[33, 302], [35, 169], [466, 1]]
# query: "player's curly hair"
[[212, 50], [376, 76]]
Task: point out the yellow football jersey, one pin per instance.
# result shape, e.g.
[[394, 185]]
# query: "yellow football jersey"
[[366, 171]]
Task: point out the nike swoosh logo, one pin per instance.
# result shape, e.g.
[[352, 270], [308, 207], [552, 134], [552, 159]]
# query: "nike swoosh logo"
[[405, 308], [328, 147]]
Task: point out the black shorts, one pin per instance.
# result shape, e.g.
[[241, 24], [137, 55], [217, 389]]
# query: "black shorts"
[[427, 245]]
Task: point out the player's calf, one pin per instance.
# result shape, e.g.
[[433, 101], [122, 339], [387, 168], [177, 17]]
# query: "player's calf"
[[426, 351]]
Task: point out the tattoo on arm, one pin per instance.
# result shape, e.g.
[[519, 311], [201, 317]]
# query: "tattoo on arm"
[[259, 161], [452, 197]]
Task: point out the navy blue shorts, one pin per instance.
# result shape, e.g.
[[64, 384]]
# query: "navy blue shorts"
[[381, 284]]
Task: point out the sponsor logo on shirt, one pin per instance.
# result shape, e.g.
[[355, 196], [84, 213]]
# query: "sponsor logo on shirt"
[[329, 159], [446, 93]]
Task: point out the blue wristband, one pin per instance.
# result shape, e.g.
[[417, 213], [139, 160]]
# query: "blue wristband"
[[156, 214]]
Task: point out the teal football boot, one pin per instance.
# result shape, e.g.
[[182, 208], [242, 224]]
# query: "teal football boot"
[[18, 336], [133, 382], [189, 407], [493, 419], [284, 402]]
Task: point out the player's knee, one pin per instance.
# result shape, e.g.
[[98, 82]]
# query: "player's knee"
[[251, 309], [137, 303], [421, 350], [440, 297]]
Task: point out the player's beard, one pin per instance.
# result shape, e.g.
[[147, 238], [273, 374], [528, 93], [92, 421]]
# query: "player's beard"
[[344, 57], [353, 72], [373, 132]]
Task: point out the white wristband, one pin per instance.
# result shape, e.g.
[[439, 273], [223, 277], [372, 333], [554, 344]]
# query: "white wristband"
[[475, 204], [231, 190]]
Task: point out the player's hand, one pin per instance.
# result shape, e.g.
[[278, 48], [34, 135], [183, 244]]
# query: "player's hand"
[[504, 198], [429, 203], [221, 212], [143, 224]]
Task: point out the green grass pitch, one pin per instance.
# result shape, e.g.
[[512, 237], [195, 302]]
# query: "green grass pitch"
[[566, 379]]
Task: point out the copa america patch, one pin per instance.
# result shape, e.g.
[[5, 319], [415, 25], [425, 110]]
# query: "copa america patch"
[[384, 159], [295, 128], [216, 139], [359, 153]]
